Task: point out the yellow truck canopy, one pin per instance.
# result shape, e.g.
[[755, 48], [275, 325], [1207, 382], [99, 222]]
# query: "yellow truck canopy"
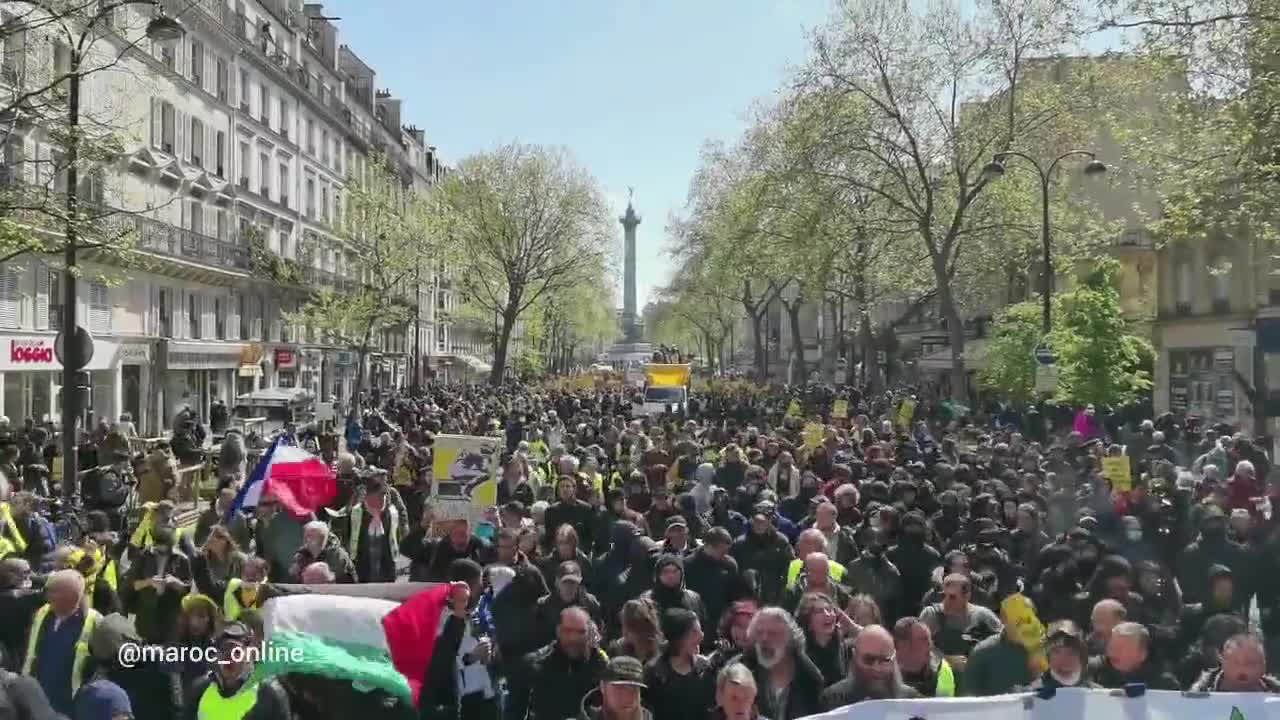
[[667, 375]]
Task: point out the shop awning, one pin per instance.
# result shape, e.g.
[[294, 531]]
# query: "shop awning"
[[476, 363], [975, 357]]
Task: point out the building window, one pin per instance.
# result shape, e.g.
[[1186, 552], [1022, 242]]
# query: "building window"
[[1220, 274], [244, 90], [284, 119], [311, 137], [222, 79], [220, 154], [264, 175], [324, 203], [311, 197], [197, 63], [264, 104], [164, 308], [196, 218], [219, 319], [1182, 280], [284, 184], [168, 128], [55, 300], [244, 165], [193, 316], [99, 308], [197, 142]]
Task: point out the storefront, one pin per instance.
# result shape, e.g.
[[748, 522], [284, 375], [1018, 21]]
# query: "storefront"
[[250, 373], [134, 380], [30, 376], [286, 364], [345, 366], [197, 373], [1202, 382]]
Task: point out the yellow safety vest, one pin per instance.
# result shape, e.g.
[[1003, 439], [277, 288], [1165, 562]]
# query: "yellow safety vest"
[[946, 686], [354, 533], [7, 548], [793, 571], [213, 706], [231, 606], [11, 528], [91, 618]]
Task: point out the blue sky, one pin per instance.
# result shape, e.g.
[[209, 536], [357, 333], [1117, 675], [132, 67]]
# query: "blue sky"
[[632, 87]]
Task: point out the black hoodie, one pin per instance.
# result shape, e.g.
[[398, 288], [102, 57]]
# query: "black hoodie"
[[666, 598]]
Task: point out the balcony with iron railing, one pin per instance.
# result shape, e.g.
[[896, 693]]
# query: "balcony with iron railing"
[[161, 238]]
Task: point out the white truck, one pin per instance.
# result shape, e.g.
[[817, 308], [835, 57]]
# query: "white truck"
[[666, 389]]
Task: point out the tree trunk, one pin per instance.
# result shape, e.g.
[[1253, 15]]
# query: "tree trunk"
[[801, 374], [955, 329], [504, 342], [757, 334]]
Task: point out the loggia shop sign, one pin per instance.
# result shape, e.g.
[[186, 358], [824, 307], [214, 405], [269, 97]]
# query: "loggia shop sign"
[[32, 353]]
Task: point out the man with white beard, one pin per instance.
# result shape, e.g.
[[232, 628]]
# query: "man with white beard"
[[873, 674], [1068, 657], [788, 681]]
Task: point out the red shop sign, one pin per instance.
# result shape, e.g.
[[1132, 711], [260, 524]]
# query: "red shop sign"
[[285, 359], [31, 352]]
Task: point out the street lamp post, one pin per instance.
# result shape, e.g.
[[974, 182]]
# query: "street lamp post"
[[996, 169], [161, 28]]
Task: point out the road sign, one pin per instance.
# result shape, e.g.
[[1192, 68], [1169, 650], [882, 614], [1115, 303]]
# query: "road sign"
[[1044, 354], [1046, 378], [83, 345]]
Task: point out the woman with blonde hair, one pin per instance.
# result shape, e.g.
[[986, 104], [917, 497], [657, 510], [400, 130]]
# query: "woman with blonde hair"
[[218, 561], [641, 634]]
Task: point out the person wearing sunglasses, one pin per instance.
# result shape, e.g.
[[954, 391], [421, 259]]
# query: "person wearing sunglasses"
[[873, 674]]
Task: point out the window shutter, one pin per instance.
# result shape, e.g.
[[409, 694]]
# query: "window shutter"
[[233, 316], [180, 52], [206, 316], [153, 312], [42, 296], [9, 310], [180, 135], [99, 308], [210, 147]]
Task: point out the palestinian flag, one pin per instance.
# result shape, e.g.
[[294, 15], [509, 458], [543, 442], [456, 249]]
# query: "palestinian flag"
[[371, 642]]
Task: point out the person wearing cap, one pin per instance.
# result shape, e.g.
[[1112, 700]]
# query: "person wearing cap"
[[566, 549], [58, 640], [675, 537], [669, 590], [567, 590], [563, 672], [373, 535], [765, 550], [230, 691], [1068, 657], [151, 687], [618, 696]]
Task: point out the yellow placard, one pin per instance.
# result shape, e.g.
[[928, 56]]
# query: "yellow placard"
[[793, 410], [840, 409], [813, 433], [1026, 629], [906, 412], [464, 476], [1117, 470]]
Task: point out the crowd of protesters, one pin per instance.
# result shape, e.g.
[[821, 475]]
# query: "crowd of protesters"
[[762, 553]]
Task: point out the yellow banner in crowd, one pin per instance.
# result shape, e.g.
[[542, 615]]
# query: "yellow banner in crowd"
[[840, 409], [1117, 470]]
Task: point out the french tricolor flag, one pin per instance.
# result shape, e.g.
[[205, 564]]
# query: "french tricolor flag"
[[300, 481]]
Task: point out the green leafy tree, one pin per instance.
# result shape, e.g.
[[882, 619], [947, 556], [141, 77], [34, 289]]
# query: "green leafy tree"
[[529, 221], [1100, 360], [389, 230], [1011, 369]]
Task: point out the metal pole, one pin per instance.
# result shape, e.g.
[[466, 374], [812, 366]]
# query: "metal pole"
[[1048, 258], [70, 349]]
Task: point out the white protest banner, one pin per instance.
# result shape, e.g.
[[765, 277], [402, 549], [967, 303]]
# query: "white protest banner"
[[1071, 704]]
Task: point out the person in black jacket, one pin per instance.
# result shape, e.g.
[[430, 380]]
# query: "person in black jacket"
[[681, 682], [1128, 661], [445, 692], [155, 691], [669, 591], [566, 549], [430, 558], [714, 575], [562, 673], [873, 673], [18, 604], [778, 661], [514, 617], [569, 510], [568, 592]]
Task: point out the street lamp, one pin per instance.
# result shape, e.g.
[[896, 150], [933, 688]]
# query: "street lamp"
[[995, 170], [162, 29]]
